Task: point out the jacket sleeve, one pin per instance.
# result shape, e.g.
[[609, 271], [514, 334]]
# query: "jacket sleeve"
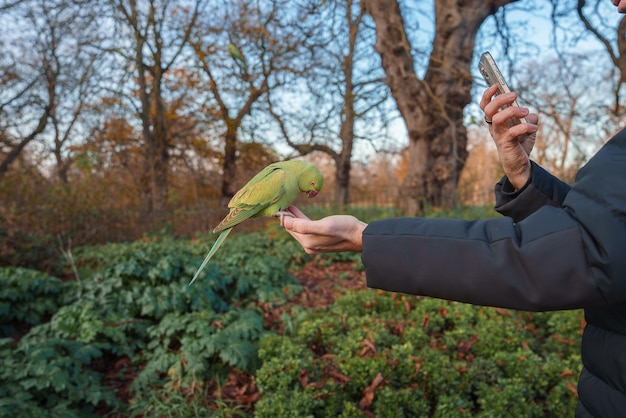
[[541, 189], [554, 258]]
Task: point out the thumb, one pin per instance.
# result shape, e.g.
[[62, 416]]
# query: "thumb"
[[288, 222], [298, 225]]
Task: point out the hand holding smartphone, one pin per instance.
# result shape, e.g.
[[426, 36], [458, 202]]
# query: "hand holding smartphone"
[[492, 75]]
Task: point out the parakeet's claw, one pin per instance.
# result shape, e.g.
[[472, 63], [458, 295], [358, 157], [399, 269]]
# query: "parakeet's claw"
[[281, 214]]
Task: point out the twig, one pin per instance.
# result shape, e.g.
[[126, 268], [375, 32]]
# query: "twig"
[[68, 255]]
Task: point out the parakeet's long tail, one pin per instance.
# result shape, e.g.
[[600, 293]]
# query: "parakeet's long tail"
[[214, 248]]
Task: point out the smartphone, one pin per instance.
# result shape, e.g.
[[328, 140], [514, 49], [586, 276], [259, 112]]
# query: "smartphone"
[[492, 75]]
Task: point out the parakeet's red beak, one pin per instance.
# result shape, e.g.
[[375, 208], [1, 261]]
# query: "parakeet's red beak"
[[312, 193]]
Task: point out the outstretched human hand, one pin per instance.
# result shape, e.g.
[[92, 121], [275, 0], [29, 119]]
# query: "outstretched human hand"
[[513, 153], [334, 233]]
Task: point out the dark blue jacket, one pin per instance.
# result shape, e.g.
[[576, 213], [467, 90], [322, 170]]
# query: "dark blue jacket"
[[559, 247]]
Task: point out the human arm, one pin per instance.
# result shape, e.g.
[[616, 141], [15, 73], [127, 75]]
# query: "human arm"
[[537, 264], [556, 258]]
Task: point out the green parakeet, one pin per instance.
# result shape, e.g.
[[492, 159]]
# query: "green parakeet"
[[267, 194], [237, 56]]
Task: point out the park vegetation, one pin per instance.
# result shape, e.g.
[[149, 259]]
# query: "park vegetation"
[[126, 126], [267, 331]]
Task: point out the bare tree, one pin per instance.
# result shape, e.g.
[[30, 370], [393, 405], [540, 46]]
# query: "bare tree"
[[74, 51], [571, 115], [7, 4], [614, 45], [245, 50], [48, 71], [223, 57], [28, 74], [432, 107], [577, 22], [346, 90], [157, 32], [482, 168]]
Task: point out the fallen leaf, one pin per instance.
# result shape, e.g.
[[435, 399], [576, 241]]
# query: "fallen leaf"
[[572, 388], [304, 377], [339, 376], [368, 392]]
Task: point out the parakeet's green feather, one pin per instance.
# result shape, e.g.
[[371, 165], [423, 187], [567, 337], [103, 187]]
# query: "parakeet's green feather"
[[266, 194], [216, 246], [237, 55], [265, 190]]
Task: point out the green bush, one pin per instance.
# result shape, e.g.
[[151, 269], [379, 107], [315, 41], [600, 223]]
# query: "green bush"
[[134, 302], [51, 377], [195, 347], [27, 297], [436, 358]]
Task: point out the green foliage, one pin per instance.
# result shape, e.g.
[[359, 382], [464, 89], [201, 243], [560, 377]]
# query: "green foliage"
[[199, 346], [436, 358], [133, 302], [51, 377], [150, 278], [371, 352], [286, 249], [254, 269], [148, 262], [27, 297]]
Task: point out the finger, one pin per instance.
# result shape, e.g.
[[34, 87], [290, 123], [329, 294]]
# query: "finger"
[[288, 223], [508, 113], [487, 96], [516, 131], [498, 103], [532, 118], [296, 212]]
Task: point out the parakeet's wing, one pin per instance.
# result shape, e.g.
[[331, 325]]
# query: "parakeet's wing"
[[264, 190]]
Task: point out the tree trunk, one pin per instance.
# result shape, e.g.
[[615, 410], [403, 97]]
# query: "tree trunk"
[[431, 108], [346, 132], [230, 160], [160, 159], [342, 180], [149, 43]]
